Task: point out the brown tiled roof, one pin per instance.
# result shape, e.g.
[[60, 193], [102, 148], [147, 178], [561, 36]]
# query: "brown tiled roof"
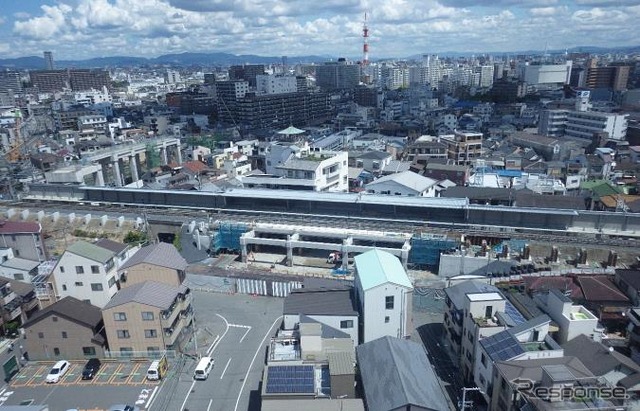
[[562, 283], [72, 309], [195, 166], [600, 288], [19, 227]]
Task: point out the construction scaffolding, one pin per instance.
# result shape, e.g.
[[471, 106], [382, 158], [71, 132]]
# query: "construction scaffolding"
[[516, 246], [227, 237], [426, 248]]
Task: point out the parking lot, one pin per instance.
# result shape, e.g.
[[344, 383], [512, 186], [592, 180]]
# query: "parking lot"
[[111, 373]]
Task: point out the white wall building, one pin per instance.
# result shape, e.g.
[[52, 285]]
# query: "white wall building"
[[87, 272], [572, 320], [547, 73], [384, 296], [406, 183], [271, 84]]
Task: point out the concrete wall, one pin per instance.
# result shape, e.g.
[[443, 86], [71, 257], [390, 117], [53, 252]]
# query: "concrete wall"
[[375, 312], [452, 265]]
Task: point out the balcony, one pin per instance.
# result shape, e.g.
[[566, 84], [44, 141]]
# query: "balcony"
[[7, 296]]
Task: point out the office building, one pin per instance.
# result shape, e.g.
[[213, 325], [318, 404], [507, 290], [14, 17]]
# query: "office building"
[[48, 60], [272, 84], [10, 82], [338, 75], [610, 77], [247, 72], [547, 73]]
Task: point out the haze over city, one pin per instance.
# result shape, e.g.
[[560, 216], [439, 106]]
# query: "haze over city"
[[79, 29]]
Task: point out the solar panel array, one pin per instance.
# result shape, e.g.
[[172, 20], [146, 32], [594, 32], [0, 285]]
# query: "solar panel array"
[[291, 379], [502, 346], [513, 313]]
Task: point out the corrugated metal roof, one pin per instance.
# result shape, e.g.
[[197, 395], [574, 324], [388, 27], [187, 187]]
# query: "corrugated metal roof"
[[320, 302], [396, 373], [19, 227], [20, 264], [407, 179], [151, 293], [160, 254], [90, 251], [340, 363], [71, 308], [377, 267]]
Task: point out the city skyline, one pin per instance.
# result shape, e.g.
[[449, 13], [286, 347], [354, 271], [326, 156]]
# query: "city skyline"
[[82, 29]]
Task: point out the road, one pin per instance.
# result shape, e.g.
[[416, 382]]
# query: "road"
[[246, 324]]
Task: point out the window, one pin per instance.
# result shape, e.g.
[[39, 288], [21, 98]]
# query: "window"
[[17, 253], [483, 360], [79, 269], [488, 311], [123, 333], [153, 349], [54, 319], [18, 276], [150, 333], [112, 281], [346, 324], [147, 316], [95, 269], [78, 283], [40, 335], [56, 351], [119, 317], [64, 334], [89, 351], [386, 319], [96, 287], [388, 302], [126, 351], [482, 380], [64, 287]]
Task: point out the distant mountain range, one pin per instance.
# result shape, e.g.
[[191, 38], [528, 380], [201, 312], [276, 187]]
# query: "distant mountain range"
[[182, 59], [222, 59]]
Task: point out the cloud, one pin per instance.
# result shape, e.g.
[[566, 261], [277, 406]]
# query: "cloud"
[[334, 27]]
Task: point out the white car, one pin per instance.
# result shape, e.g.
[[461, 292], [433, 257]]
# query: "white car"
[[57, 372]]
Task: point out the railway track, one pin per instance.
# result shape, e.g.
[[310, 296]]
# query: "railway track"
[[161, 214]]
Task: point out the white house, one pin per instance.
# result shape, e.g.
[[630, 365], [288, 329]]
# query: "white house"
[[406, 183], [87, 272], [383, 295], [573, 320]]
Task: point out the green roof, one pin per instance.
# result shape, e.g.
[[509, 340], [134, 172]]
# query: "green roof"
[[90, 251], [377, 267], [600, 188]]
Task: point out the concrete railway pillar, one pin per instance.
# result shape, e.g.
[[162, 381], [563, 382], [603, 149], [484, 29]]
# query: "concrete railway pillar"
[[346, 245], [404, 254], [290, 240], [115, 162], [163, 155], [133, 165]]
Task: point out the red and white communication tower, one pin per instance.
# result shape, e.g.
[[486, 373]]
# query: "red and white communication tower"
[[365, 42]]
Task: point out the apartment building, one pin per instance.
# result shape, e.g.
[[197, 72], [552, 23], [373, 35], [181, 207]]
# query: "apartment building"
[[463, 147], [87, 272], [384, 296], [69, 329], [582, 124], [160, 262], [315, 171], [148, 317], [24, 238]]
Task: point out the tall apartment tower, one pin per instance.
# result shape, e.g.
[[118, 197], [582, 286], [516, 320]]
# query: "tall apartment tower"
[[48, 60]]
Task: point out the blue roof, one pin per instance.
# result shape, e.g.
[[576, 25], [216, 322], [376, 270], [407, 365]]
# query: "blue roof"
[[377, 267], [513, 313], [509, 173]]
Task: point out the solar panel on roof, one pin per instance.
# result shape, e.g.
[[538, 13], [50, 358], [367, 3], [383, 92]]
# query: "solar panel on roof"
[[502, 346], [291, 379], [513, 313]]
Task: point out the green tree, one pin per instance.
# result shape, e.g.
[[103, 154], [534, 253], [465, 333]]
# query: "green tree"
[[135, 237]]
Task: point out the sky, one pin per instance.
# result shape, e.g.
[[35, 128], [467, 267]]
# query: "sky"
[[80, 29]]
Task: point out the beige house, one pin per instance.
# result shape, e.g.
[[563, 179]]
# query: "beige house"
[[159, 262], [148, 317], [69, 329]]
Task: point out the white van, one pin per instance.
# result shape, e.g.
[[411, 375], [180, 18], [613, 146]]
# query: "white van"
[[203, 369], [157, 369]]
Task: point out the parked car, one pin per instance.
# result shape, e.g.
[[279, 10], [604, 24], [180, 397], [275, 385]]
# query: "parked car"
[[124, 407], [91, 368], [58, 371]]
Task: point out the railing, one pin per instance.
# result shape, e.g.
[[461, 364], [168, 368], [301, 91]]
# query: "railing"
[[139, 354]]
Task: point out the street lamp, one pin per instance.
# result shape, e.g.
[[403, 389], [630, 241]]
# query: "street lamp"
[[463, 404]]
